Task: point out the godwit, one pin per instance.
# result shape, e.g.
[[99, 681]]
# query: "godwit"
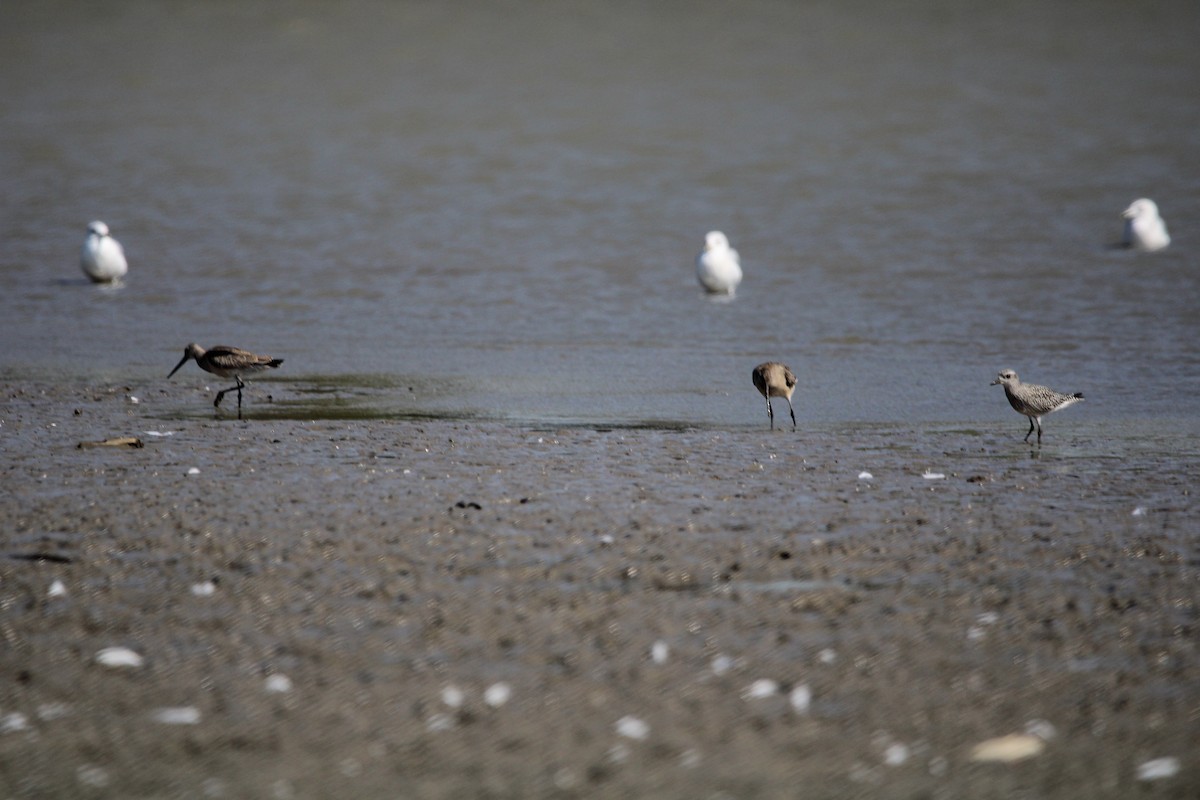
[[1032, 400], [718, 267], [228, 362], [103, 258], [1144, 228], [773, 379]]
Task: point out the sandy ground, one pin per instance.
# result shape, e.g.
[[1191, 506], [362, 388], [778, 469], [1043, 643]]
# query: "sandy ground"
[[431, 609]]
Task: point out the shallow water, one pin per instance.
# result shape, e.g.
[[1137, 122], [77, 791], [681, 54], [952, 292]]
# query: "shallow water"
[[491, 212]]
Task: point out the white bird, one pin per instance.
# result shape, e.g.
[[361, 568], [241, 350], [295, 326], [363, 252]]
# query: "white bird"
[[1144, 228], [102, 259], [718, 267]]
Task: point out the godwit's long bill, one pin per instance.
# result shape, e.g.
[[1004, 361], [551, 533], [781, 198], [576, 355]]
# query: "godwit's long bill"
[[228, 362]]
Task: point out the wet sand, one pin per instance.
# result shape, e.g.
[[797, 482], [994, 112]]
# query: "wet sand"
[[656, 613]]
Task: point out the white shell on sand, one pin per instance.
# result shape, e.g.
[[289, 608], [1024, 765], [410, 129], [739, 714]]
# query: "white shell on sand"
[[497, 694], [632, 728], [453, 696], [119, 657], [278, 683], [177, 715], [1158, 768], [763, 687], [14, 722], [896, 754], [801, 698], [1007, 749]]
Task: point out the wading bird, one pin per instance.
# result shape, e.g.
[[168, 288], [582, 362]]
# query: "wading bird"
[[228, 362], [773, 379], [1032, 400]]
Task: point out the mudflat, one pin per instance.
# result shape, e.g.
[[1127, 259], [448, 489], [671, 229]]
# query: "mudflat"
[[448, 608]]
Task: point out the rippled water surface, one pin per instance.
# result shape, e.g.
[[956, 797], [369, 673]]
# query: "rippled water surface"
[[491, 210]]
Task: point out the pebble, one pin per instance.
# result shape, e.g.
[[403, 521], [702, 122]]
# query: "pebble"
[[278, 683], [763, 687], [1041, 729], [193, 471], [722, 664], [497, 694], [177, 715], [801, 698], [865, 476], [659, 651], [896, 754], [453, 696], [930, 475], [119, 657], [1158, 768], [14, 722], [632, 728], [57, 589], [1007, 749]]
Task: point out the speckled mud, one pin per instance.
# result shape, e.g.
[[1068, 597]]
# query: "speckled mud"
[[321, 607]]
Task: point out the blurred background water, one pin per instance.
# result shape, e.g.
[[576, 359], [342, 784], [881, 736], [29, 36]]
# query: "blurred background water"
[[492, 209]]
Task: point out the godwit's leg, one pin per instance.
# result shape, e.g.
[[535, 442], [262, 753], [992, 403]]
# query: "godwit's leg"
[[792, 411], [239, 388], [1039, 427], [770, 411], [221, 395], [1030, 429]]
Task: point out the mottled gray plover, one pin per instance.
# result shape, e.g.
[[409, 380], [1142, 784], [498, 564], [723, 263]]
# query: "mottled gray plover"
[[1032, 400], [1144, 228], [102, 258], [718, 267], [228, 362], [773, 379]]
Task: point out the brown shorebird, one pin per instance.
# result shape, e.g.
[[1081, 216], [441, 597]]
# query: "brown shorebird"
[[1032, 400], [228, 362], [773, 379]]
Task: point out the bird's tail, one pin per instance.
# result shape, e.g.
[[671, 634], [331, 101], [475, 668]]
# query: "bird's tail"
[[1078, 395], [275, 362]]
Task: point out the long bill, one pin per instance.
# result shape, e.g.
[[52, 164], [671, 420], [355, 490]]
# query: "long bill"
[[186, 356]]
